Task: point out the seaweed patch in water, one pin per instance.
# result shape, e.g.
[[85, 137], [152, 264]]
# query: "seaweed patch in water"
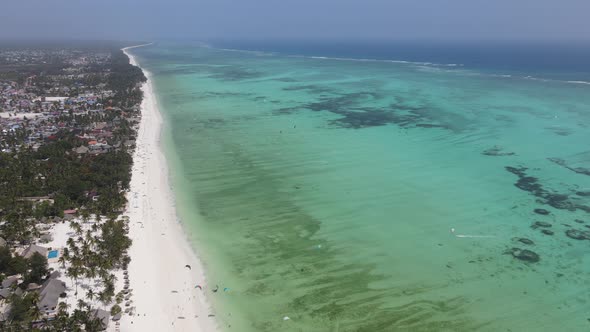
[[214, 123], [525, 255], [429, 125], [355, 115], [346, 105], [234, 73], [281, 242], [560, 131], [497, 151], [284, 79], [341, 102], [218, 94], [563, 163], [311, 88], [363, 119], [532, 185], [577, 234]]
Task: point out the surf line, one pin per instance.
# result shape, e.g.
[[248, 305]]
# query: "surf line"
[[470, 236]]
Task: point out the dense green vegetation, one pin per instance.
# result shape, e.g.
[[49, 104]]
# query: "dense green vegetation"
[[124, 79], [33, 269], [55, 171], [25, 316], [91, 184]]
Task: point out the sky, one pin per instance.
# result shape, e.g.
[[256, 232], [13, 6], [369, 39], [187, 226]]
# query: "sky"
[[441, 20]]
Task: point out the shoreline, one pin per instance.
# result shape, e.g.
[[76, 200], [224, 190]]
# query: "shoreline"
[[164, 288]]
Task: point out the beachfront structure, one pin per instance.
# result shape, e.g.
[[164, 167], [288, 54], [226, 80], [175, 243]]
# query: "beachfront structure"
[[49, 295], [32, 249], [9, 281], [5, 293], [103, 316], [81, 150]]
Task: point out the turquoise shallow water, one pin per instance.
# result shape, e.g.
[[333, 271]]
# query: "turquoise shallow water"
[[326, 190]]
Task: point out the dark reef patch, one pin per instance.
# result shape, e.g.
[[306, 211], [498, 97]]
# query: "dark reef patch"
[[531, 184], [217, 94], [401, 115], [563, 163], [342, 102], [429, 125], [577, 234], [176, 71], [356, 111], [285, 79], [524, 240], [542, 224], [547, 232], [310, 88], [363, 119], [526, 183], [234, 73], [541, 212], [560, 131], [183, 98], [561, 201], [497, 151], [524, 255], [213, 123]]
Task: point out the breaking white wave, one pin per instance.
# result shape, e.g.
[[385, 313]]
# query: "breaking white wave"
[[578, 82], [421, 66]]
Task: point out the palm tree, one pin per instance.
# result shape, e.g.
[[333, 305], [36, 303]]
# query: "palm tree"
[[34, 312], [105, 297], [63, 307], [88, 237], [93, 324], [34, 296], [72, 247], [76, 227], [91, 271], [81, 304], [74, 271], [62, 259], [90, 294], [85, 215]]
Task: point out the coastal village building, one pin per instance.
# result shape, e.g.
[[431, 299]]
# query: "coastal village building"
[[32, 249], [49, 296], [103, 315], [62, 104]]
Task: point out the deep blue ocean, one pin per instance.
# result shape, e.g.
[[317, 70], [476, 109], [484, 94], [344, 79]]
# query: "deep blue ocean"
[[557, 61]]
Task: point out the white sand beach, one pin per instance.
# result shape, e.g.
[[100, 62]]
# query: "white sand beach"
[[163, 288]]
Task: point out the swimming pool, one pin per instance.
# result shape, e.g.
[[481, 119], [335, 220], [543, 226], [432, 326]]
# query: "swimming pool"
[[52, 254]]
